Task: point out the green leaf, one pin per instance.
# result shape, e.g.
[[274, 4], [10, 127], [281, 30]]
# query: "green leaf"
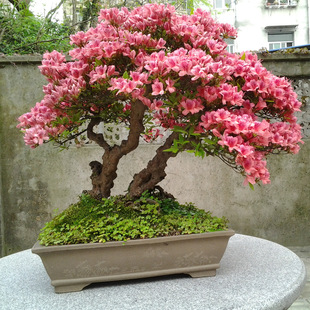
[[209, 141], [200, 153], [192, 132], [243, 57], [173, 149], [98, 62], [251, 186], [125, 75], [179, 129]]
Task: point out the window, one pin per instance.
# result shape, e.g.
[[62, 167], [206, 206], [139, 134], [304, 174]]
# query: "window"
[[280, 36], [230, 45], [281, 3], [221, 4], [280, 40]]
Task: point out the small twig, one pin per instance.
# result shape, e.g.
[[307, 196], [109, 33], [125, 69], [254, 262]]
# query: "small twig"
[[70, 138], [43, 41], [51, 13], [48, 17]]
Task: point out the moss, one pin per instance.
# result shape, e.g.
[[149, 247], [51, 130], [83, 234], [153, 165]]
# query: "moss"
[[120, 218], [299, 51], [285, 51]]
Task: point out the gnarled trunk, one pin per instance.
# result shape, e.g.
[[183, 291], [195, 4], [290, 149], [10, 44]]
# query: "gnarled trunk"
[[149, 177], [104, 174]]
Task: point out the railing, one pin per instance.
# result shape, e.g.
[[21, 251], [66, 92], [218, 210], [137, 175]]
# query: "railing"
[[280, 3]]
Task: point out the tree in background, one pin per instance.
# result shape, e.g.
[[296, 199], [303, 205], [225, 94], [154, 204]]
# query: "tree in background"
[[23, 33], [21, 5]]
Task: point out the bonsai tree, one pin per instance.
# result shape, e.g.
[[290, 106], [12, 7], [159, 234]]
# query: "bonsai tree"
[[159, 73]]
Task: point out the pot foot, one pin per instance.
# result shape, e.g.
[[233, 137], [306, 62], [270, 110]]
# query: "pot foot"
[[204, 273], [70, 288]]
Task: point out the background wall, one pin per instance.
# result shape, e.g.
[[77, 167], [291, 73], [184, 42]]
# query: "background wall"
[[251, 17], [34, 183]]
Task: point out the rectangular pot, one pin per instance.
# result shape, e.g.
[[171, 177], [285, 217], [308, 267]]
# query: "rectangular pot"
[[72, 267]]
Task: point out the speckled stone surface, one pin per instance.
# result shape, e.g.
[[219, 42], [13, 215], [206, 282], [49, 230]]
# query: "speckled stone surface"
[[255, 274]]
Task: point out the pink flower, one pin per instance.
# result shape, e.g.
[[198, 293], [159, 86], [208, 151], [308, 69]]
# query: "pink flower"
[[232, 142], [123, 85], [139, 78], [231, 95], [241, 69], [35, 136], [210, 93], [184, 67], [245, 150], [161, 43], [158, 88], [170, 84], [261, 104], [222, 115], [191, 106], [261, 128], [216, 47], [78, 39], [251, 85], [207, 120], [127, 107], [138, 93], [156, 104]]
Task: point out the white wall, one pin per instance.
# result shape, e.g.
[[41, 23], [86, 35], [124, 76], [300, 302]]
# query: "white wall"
[[251, 18]]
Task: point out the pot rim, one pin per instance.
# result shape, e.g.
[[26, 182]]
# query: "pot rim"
[[38, 248]]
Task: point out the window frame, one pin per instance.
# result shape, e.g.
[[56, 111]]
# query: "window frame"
[[288, 42], [225, 4]]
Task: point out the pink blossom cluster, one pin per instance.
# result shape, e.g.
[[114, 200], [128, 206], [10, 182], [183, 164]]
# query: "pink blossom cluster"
[[243, 133], [178, 66]]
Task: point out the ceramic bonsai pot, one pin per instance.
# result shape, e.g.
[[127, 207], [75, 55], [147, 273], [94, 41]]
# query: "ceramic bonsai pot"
[[72, 267]]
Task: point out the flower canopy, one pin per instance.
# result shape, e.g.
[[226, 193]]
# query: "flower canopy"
[[217, 103]]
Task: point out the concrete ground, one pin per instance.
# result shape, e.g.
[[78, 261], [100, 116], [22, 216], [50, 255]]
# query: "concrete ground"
[[303, 302]]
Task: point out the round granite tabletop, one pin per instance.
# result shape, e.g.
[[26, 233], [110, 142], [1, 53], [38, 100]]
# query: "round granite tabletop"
[[255, 274]]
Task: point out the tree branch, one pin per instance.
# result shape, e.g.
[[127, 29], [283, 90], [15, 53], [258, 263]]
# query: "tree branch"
[[48, 18], [71, 137], [51, 13], [150, 176], [43, 41], [136, 128], [96, 137]]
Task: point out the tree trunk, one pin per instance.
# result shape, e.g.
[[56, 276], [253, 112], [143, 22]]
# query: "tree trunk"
[[20, 5], [103, 175], [89, 16], [150, 176], [74, 15]]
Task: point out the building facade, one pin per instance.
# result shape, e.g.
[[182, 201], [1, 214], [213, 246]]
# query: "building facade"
[[269, 24]]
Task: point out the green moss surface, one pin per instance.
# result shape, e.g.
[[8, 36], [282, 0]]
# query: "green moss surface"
[[120, 218]]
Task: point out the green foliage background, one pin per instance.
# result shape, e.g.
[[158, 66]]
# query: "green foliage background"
[[23, 33]]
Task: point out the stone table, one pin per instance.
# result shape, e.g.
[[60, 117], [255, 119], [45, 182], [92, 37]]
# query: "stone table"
[[255, 274]]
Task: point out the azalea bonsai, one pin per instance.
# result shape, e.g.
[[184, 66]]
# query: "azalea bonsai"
[[159, 73]]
